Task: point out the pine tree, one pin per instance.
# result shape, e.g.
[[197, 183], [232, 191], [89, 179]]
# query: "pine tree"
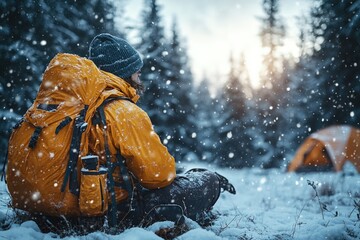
[[155, 49], [270, 95], [205, 120], [224, 153], [232, 132], [92, 17], [302, 94], [302, 104], [244, 77], [168, 82], [33, 32], [23, 54], [179, 86], [234, 92], [272, 34], [337, 61], [157, 100]]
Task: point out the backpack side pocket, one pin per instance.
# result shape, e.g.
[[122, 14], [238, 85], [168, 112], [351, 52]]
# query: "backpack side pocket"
[[93, 199]]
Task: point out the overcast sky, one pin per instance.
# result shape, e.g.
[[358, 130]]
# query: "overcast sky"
[[214, 29]]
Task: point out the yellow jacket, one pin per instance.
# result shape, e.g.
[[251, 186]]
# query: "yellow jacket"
[[131, 131], [35, 174]]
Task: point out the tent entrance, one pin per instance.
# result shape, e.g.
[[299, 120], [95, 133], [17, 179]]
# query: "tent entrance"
[[316, 158]]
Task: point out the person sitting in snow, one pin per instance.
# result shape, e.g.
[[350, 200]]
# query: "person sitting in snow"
[[146, 158]]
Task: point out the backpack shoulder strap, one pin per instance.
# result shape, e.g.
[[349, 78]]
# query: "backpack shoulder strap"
[[120, 162], [71, 169]]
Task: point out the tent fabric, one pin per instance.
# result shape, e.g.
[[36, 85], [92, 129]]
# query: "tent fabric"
[[331, 146]]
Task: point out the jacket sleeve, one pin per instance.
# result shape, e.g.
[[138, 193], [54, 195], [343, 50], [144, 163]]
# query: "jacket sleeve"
[[146, 157]]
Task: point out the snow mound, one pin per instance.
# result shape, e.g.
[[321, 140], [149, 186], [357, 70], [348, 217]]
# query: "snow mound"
[[269, 204]]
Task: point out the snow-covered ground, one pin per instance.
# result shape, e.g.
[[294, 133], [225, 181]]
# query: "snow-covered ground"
[[269, 204]]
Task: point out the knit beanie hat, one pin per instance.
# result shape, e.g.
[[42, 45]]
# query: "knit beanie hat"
[[114, 55]]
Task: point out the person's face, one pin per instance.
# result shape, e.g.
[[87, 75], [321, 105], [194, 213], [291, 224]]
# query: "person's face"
[[136, 77]]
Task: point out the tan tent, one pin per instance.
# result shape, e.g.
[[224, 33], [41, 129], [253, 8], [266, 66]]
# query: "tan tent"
[[328, 149]]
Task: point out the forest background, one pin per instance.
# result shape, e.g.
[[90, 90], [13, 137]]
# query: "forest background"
[[238, 126]]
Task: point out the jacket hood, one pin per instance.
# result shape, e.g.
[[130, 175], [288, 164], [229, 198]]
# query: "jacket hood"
[[117, 86]]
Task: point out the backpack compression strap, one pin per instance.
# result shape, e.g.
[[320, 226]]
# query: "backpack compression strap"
[[34, 138], [110, 166], [71, 169]]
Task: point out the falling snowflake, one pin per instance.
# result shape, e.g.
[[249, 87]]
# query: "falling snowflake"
[[35, 196]]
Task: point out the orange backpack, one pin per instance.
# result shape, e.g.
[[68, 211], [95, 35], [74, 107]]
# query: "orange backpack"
[[47, 151]]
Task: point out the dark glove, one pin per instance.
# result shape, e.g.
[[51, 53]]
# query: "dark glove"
[[225, 185]]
